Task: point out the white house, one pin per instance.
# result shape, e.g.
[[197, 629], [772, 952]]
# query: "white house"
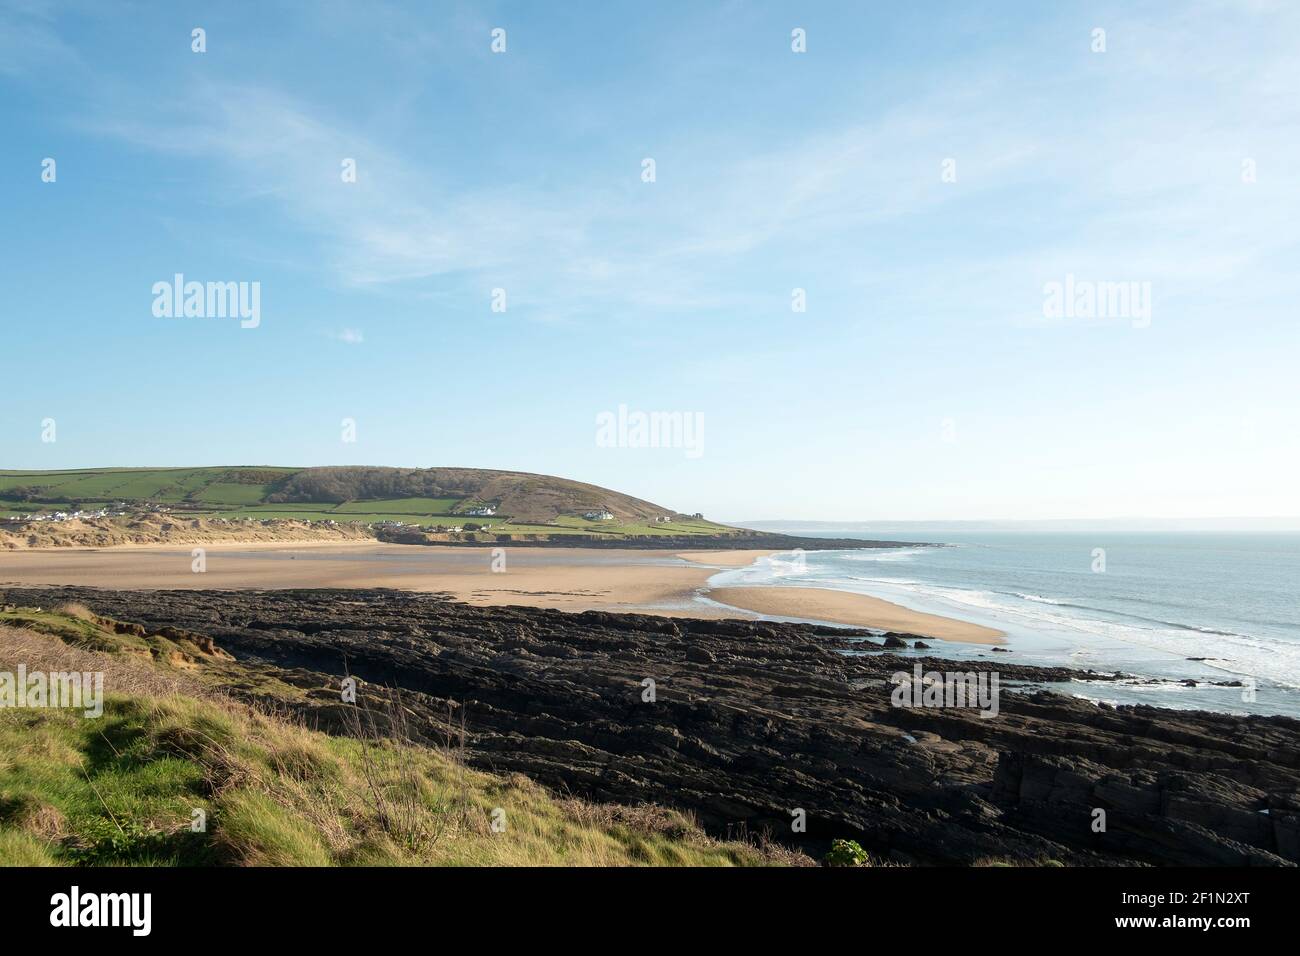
[[601, 515]]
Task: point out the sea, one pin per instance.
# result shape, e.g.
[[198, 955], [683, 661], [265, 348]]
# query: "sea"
[[1214, 608]]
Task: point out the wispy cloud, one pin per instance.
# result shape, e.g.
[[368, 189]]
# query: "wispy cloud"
[[29, 38], [348, 336], [1104, 183]]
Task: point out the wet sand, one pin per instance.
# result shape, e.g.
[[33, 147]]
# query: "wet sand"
[[570, 579], [724, 559], [843, 607]]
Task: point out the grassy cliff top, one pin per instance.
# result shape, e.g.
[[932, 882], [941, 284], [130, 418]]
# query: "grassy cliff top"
[[178, 772]]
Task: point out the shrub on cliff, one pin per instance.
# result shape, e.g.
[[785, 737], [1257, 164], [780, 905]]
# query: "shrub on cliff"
[[846, 853]]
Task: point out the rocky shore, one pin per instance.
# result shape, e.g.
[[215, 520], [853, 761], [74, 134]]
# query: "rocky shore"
[[751, 722]]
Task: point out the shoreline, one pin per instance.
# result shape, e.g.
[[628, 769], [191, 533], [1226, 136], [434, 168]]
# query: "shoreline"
[[858, 610], [667, 583]]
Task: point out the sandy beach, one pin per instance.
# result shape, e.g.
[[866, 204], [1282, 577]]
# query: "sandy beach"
[[570, 579], [564, 578], [843, 607]]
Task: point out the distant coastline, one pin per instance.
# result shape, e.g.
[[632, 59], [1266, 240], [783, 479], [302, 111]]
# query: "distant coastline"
[[1063, 525]]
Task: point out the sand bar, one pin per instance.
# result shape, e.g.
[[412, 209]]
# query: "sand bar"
[[843, 607]]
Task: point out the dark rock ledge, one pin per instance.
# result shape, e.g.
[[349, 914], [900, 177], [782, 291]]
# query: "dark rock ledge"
[[755, 719]]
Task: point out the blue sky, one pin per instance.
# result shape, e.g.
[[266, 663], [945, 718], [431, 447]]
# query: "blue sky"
[[924, 381]]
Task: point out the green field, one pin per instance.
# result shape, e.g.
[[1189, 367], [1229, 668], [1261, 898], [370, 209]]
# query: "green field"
[[270, 493], [218, 487], [404, 506]]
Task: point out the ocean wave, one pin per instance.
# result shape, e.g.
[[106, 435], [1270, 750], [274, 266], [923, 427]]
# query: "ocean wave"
[[1159, 622], [887, 556], [1038, 598], [981, 598], [1266, 659], [902, 582], [1062, 627]]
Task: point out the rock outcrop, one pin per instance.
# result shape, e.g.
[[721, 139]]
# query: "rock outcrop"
[[747, 723]]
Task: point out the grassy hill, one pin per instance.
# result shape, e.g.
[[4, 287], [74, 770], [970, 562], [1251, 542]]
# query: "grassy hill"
[[180, 743], [523, 503]]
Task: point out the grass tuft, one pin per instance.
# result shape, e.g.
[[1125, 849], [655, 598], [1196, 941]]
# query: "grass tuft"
[[171, 752]]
